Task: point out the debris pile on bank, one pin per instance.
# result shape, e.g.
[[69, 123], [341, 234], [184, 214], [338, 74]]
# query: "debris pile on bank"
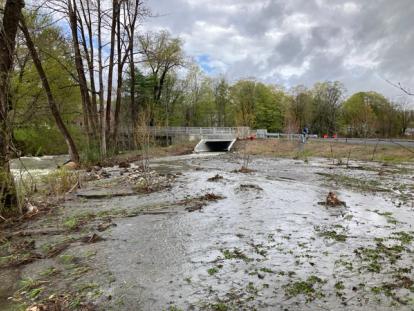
[[197, 203], [332, 200], [147, 181]]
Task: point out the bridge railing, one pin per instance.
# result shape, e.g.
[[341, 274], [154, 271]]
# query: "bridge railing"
[[200, 131]]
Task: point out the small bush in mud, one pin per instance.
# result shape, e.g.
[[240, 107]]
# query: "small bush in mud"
[[60, 181]]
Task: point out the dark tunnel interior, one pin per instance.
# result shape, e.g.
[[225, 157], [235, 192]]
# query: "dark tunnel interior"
[[217, 146]]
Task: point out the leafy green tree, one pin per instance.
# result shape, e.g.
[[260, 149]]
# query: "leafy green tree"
[[327, 99], [243, 97], [221, 99], [299, 111], [162, 53], [358, 117], [34, 123], [387, 124], [269, 108]]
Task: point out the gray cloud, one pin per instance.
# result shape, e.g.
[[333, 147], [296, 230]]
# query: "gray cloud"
[[360, 43]]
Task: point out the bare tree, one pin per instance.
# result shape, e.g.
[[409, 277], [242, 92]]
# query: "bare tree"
[[115, 14], [73, 152], [125, 50], [86, 104], [8, 32]]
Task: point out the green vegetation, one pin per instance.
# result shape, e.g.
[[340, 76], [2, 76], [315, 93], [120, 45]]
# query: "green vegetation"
[[366, 185], [310, 288], [379, 257], [60, 181], [333, 235], [213, 271], [235, 254]]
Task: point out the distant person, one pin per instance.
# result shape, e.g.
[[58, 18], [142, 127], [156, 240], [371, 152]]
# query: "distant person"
[[305, 133]]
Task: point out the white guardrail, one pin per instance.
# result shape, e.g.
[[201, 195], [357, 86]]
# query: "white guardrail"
[[240, 132]]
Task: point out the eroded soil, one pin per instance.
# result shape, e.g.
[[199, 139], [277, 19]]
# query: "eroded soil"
[[240, 241]]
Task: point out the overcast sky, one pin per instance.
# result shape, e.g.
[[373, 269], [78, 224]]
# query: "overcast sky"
[[290, 42]]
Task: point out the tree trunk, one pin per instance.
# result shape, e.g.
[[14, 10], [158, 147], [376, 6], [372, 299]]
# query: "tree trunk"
[[134, 111], [90, 56], [8, 195], [101, 83], [90, 125], [74, 156], [115, 13], [119, 84]]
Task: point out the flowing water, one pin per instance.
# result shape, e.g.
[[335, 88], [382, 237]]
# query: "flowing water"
[[267, 245], [261, 246]]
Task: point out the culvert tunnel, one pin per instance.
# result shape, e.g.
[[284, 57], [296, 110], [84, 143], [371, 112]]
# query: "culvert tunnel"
[[214, 145]]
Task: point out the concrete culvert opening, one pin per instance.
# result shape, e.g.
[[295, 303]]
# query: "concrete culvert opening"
[[206, 145]]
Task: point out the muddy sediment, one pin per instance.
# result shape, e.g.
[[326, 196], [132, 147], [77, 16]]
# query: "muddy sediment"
[[247, 241]]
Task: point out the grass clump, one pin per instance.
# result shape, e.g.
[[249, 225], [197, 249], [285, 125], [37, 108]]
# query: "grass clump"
[[334, 236], [377, 257], [60, 181], [220, 306], [310, 288], [403, 237], [235, 254], [364, 185], [212, 271]]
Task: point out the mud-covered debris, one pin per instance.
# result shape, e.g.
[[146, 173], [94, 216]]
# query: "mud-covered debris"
[[196, 207], [197, 203], [217, 177], [148, 181], [105, 226], [124, 165], [211, 197], [20, 259], [244, 170], [60, 302], [97, 174], [332, 200], [245, 187], [22, 246], [30, 209], [92, 239], [104, 174]]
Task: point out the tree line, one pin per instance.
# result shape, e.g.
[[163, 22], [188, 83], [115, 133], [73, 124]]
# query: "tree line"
[[76, 74]]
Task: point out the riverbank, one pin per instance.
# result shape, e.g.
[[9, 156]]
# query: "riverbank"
[[337, 152]]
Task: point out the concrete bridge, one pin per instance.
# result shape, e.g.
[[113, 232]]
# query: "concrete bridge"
[[210, 138]]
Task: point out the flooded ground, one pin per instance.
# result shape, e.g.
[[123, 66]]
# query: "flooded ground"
[[242, 241]]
